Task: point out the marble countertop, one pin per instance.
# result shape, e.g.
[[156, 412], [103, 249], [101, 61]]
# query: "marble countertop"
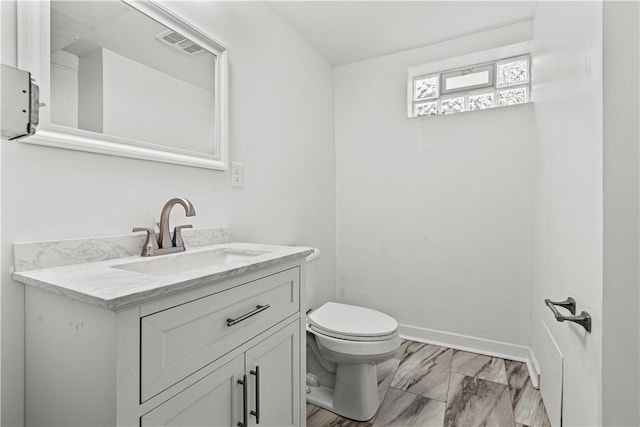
[[106, 284]]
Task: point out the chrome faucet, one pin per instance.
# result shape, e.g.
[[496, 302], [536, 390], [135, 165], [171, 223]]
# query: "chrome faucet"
[[165, 244]]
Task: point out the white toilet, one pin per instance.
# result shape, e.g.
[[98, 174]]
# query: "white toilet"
[[344, 342]]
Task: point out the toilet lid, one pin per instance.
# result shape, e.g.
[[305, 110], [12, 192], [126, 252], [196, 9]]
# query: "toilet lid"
[[351, 321]]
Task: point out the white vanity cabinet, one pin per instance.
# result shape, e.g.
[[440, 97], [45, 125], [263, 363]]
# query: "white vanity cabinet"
[[271, 373], [227, 353]]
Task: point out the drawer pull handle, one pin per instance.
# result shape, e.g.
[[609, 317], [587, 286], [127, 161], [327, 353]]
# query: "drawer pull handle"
[[259, 308], [245, 414], [256, 413]]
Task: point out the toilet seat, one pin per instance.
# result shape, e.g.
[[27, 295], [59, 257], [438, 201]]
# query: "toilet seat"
[[352, 323], [320, 331]]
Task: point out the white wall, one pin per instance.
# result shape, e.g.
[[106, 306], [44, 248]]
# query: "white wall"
[[64, 88], [568, 222], [145, 104], [434, 213], [90, 92], [281, 128], [621, 328]]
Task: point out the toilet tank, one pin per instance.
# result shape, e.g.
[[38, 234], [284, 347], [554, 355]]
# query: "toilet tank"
[[312, 277]]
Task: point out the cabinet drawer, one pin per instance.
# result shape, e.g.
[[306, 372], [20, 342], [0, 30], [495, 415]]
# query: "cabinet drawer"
[[180, 340]]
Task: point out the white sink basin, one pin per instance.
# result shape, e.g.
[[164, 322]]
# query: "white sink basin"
[[173, 264]]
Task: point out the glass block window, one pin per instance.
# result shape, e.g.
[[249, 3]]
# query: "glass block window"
[[426, 88], [452, 105], [513, 72], [426, 109], [483, 86], [512, 96], [482, 101]]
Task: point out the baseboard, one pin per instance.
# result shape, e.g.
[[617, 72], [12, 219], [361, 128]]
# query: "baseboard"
[[519, 353]]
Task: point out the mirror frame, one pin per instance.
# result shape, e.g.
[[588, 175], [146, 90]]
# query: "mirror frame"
[[34, 56]]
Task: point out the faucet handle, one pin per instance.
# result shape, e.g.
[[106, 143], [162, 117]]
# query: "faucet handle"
[[150, 245], [177, 235]]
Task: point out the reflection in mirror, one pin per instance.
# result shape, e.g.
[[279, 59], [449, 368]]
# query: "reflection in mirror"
[[118, 72]]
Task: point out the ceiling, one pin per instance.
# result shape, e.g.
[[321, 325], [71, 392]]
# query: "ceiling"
[[349, 31]]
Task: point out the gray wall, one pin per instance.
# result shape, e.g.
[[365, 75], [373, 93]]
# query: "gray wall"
[[620, 341]]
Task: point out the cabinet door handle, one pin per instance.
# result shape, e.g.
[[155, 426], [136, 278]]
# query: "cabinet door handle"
[[259, 308], [256, 413], [245, 414]]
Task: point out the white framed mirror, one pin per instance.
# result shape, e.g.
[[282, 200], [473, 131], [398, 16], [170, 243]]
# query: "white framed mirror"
[[126, 78]]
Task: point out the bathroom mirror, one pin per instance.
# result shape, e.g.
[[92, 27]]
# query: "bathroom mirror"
[[126, 78]]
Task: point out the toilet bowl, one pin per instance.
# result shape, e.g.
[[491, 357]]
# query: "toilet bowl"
[[344, 343]]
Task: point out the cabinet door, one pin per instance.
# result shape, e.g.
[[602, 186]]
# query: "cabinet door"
[[215, 400], [278, 378]]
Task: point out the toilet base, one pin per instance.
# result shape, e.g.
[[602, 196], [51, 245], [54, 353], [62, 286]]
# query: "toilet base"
[[355, 395], [322, 397]]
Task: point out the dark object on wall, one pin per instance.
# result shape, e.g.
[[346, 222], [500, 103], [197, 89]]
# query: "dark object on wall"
[[20, 103]]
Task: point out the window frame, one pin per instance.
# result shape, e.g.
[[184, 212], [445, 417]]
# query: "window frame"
[[488, 59], [478, 68]]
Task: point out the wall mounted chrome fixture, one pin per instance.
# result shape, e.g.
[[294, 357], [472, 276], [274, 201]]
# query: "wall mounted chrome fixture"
[[584, 319]]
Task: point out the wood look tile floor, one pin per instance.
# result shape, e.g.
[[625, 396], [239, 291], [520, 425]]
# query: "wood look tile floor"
[[428, 385]]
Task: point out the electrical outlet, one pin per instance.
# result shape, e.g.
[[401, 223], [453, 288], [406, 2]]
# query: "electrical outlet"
[[237, 174]]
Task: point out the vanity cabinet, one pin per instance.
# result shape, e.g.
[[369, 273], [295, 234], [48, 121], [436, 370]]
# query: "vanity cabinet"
[[184, 337], [192, 358], [271, 373]]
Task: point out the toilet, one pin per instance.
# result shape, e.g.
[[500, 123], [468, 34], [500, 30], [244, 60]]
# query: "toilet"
[[344, 343]]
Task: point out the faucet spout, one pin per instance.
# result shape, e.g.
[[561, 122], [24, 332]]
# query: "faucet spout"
[[164, 239]]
